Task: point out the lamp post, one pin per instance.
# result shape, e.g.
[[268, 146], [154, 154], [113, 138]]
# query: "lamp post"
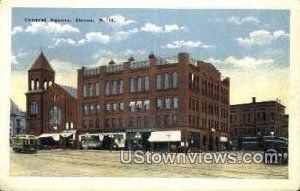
[[212, 130], [272, 133]]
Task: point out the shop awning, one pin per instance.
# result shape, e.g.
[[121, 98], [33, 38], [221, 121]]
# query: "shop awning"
[[55, 136], [165, 136]]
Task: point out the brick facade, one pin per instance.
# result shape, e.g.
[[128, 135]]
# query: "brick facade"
[[191, 97], [258, 119], [43, 96]]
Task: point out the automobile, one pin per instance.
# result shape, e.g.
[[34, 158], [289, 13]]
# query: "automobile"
[[277, 146], [24, 144]]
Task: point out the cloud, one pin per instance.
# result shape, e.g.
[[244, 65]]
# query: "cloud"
[[51, 27], [95, 37], [89, 37], [261, 37], [41, 27], [121, 20], [14, 58], [243, 63], [182, 43], [239, 21], [122, 35], [152, 28], [16, 29]]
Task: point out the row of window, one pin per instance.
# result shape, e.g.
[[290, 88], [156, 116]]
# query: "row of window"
[[168, 103], [208, 108], [260, 116], [194, 121], [117, 106], [165, 78], [139, 84], [134, 106], [167, 119]]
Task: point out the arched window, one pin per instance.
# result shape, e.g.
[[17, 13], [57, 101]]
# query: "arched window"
[[55, 116], [33, 109]]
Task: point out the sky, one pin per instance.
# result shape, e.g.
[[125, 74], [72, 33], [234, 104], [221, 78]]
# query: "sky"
[[251, 47]]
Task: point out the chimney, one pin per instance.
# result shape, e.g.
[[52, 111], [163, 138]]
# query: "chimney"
[[253, 99]]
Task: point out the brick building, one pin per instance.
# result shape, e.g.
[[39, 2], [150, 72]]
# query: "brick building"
[[156, 103], [51, 108], [258, 119]]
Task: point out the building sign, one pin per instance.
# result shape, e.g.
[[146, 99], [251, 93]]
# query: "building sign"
[[223, 139], [135, 130]]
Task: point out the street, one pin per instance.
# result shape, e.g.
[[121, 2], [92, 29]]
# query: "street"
[[107, 164]]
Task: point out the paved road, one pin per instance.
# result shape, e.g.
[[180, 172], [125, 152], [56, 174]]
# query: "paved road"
[[107, 164]]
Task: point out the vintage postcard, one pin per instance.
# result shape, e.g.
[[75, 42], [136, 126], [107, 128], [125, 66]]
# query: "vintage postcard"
[[176, 97]]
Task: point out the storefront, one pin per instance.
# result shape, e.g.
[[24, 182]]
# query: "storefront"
[[137, 139], [165, 141]]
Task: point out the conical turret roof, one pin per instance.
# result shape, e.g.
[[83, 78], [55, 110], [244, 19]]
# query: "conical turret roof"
[[41, 63]]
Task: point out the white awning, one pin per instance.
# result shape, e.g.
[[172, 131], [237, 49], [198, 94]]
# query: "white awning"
[[66, 134], [55, 136], [165, 136]]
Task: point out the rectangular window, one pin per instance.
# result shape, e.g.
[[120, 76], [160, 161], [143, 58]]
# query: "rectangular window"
[[166, 120], [147, 105], [121, 87], [158, 82], [97, 108], [132, 106], [97, 89], [138, 121], [97, 123], [108, 107], [91, 89], [166, 86], [132, 88], [122, 106], [158, 104], [158, 120], [107, 88], [114, 88], [131, 122], [120, 122], [115, 106], [167, 103], [85, 124], [85, 109], [90, 123], [175, 120], [147, 83], [139, 105], [91, 108], [175, 102], [175, 80], [114, 123], [146, 121], [139, 84], [106, 123], [84, 90]]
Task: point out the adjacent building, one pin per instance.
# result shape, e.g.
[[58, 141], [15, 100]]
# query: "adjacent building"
[[51, 108], [17, 120], [254, 119]]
